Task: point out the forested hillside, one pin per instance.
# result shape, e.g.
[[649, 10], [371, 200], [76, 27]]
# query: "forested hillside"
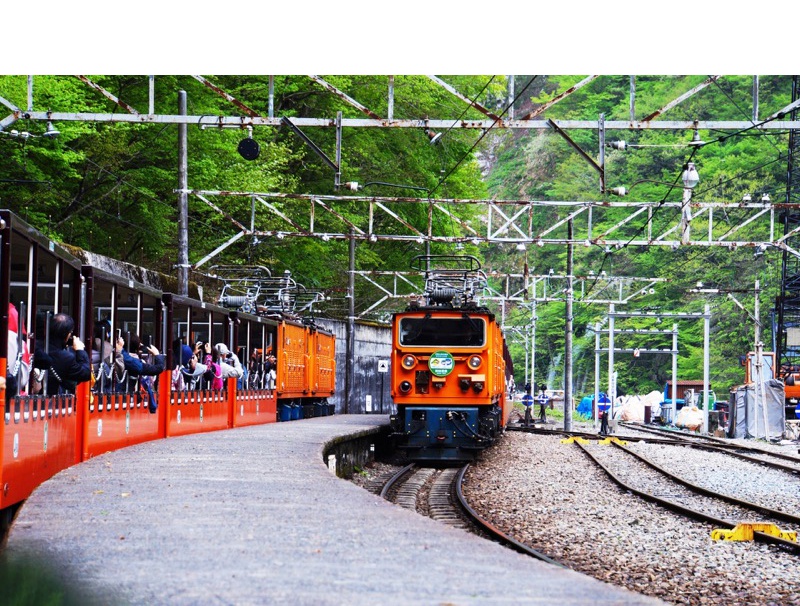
[[542, 166], [110, 188]]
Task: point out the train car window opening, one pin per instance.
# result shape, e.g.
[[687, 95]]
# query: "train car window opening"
[[442, 332]]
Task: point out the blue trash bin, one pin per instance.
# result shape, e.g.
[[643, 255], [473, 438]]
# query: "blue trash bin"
[[285, 412]]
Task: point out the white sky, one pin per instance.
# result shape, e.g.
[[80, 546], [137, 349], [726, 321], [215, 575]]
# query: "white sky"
[[407, 37]]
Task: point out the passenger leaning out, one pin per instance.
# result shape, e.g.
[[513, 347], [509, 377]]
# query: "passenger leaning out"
[[229, 363], [188, 373], [140, 370], [271, 374], [65, 362]]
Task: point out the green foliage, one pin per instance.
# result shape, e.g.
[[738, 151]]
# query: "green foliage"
[[111, 188], [542, 166]]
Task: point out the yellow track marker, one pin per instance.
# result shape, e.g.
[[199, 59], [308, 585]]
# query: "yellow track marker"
[[573, 439], [744, 532], [615, 440]]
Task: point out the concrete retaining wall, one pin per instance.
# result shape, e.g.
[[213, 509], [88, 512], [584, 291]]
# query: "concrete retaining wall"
[[371, 389]]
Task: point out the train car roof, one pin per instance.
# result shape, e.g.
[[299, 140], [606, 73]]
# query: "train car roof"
[[19, 226], [114, 278]]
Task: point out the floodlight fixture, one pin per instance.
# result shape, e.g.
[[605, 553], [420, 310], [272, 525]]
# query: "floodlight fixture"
[[690, 176], [433, 136], [51, 131]]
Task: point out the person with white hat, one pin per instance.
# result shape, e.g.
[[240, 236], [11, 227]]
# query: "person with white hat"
[[228, 362]]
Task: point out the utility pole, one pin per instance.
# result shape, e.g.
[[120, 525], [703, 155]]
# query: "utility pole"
[[759, 392], [612, 388], [533, 345], [706, 363], [183, 200], [351, 314], [568, 338]]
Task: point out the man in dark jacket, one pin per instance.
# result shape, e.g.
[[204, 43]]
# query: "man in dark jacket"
[[66, 361]]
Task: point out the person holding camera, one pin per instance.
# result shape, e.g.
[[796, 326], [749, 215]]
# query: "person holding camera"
[[66, 360], [134, 360], [271, 374], [140, 371], [228, 362], [107, 364], [188, 372]]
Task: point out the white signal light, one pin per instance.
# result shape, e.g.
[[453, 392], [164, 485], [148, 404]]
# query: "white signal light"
[[409, 361], [475, 362]]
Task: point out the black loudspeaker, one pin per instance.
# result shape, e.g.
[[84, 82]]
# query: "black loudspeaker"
[[249, 149]]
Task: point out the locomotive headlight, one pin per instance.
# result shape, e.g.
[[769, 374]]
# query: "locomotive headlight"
[[405, 387], [474, 362], [409, 361]]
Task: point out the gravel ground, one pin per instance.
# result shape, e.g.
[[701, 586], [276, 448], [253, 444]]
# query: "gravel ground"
[[549, 495]]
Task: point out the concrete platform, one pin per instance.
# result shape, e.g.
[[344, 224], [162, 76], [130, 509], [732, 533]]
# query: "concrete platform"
[[253, 516]]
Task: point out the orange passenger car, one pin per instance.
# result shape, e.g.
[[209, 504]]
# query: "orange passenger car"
[[40, 435]]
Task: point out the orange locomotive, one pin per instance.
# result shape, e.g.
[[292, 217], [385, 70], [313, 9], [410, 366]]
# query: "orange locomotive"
[[449, 366]]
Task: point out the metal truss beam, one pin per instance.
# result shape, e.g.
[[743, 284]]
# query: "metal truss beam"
[[682, 98], [611, 225], [206, 121], [252, 119], [519, 289]]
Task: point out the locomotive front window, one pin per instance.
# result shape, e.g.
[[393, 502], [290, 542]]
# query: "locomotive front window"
[[442, 332]]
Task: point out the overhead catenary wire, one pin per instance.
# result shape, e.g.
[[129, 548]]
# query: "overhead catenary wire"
[[659, 205], [724, 92], [483, 134]]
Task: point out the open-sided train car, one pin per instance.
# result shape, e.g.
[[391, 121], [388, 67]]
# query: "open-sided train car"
[[448, 366], [41, 435]]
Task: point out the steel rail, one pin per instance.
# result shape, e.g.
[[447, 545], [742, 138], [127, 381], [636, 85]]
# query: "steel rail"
[[782, 515], [721, 444], [494, 532], [730, 449], [679, 440], [687, 511], [394, 479]]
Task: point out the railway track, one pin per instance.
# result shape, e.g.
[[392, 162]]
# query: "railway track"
[[640, 476], [548, 494], [649, 533], [438, 494], [752, 453]]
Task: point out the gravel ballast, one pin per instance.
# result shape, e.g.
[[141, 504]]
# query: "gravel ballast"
[[551, 496]]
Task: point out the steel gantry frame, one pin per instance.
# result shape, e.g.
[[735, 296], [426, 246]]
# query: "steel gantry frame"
[[611, 349], [666, 223], [731, 225], [253, 118], [519, 288], [722, 223]]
